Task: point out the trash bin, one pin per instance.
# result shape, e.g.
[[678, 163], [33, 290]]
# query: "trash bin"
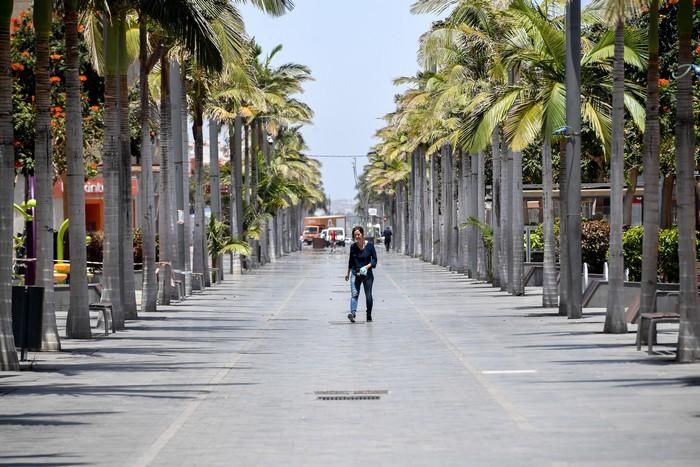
[[319, 243], [27, 307]]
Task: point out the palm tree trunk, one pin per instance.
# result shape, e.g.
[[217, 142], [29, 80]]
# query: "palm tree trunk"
[[450, 230], [473, 213], [128, 289], [178, 165], [411, 207], [469, 166], [496, 207], [518, 224], [400, 228], [8, 354], [149, 290], [236, 187], [187, 225], [417, 207], [666, 220], [435, 208], [215, 192], [629, 196], [651, 168], [572, 268], [461, 213], [424, 215], [254, 152], [481, 265], [164, 187], [78, 320], [111, 161], [615, 322], [199, 257], [508, 224], [549, 273], [445, 207], [689, 335], [563, 251], [43, 168]]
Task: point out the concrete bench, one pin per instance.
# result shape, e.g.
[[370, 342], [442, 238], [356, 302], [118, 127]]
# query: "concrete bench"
[[106, 312], [200, 282]]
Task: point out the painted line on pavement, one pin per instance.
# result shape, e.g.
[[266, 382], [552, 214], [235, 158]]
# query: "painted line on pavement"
[[505, 404], [158, 445]]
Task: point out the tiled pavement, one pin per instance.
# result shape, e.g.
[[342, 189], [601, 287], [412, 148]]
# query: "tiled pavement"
[[452, 372]]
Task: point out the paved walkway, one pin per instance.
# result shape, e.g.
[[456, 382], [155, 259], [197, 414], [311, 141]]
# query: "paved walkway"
[[261, 370]]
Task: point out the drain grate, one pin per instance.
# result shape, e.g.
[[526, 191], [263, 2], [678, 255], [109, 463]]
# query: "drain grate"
[[348, 398], [362, 395]]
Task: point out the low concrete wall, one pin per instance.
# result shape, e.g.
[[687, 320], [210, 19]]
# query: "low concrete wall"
[[62, 296], [596, 295]]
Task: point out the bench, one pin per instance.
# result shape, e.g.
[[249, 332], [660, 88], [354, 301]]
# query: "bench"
[[200, 281], [657, 317], [652, 320], [105, 309], [169, 286]]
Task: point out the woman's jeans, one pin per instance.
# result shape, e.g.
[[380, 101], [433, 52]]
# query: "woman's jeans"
[[355, 282]]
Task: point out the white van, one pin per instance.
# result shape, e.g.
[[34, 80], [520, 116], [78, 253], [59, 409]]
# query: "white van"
[[339, 235]]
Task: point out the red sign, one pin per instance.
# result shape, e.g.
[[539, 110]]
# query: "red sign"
[[93, 188]]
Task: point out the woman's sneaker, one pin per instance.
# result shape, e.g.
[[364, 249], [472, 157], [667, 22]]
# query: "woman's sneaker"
[[351, 317]]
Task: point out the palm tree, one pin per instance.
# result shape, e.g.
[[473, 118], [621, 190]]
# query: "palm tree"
[[178, 166], [126, 234], [571, 227], [689, 335], [78, 320], [112, 273], [150, 285], [8, 354], [215, 191], [652, 139], [43, 168], [615, 314]]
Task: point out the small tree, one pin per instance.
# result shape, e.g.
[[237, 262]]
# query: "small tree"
[[220, 242]]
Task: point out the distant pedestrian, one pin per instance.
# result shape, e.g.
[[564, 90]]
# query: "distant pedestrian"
[[301, 242], [387, 238], [362, 261], [333, 236]]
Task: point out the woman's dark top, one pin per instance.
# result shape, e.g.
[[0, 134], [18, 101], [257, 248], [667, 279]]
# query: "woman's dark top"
[[363, 257]]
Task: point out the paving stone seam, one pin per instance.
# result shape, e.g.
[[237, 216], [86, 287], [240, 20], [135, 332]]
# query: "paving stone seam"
[[512, 412], [152, 452]]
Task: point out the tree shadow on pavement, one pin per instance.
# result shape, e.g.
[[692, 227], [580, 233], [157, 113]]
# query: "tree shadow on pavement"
[[154, 391], [46, 419], [573, 346], [38, 459], [685, 381]]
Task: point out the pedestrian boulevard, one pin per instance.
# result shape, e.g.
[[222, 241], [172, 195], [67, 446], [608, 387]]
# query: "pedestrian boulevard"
[[265, 369]]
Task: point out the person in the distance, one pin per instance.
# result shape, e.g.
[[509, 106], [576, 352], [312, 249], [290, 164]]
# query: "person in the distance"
[[362, 261]]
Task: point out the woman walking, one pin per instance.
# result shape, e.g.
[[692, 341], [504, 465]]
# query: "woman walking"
[[363, 259]]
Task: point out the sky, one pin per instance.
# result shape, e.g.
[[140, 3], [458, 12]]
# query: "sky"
[[355, 50]]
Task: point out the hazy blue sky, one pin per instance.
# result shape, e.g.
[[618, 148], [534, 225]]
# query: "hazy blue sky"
[[355, 50]]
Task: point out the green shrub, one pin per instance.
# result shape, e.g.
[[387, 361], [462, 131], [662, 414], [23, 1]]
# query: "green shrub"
[[632, 251], [595, 241], [95, 245], [537, 237], [667, 264]]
